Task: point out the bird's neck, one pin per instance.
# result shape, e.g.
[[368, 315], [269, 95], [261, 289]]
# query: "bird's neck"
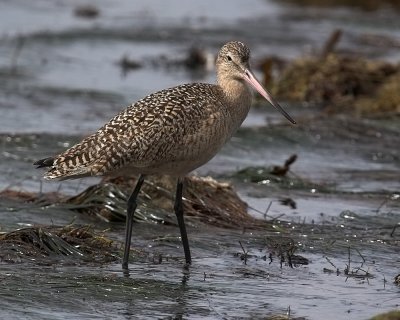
[[238, 96], [236, 92]]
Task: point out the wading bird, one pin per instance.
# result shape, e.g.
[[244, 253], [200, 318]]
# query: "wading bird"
[[170, 132]]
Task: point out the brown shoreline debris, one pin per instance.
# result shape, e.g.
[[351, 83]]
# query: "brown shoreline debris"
[[284, 249], [216, 203], [128, 64], [282, 170], [41, 199], [205, 199], [196, 59], [336, 80], [258, 174], [288, 202], [340, 82], [385, 100], [331, 43], [43, 241], [87, 11]]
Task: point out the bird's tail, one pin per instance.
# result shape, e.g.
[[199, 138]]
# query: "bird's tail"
[[60, 170], [43, 163]]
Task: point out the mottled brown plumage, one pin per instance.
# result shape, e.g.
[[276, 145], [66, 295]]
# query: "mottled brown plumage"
[[172, 131]]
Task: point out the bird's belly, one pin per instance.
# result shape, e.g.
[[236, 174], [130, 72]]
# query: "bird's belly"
[[181, 159], [184, 160], [174, 168], [177, 168]]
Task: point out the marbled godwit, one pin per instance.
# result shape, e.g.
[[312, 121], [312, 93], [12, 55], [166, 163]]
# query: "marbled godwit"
[[173, 132]]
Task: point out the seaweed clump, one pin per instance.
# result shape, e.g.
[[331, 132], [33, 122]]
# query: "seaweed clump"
[[41, 242], [339, 81], [205, 199], [386, 98]]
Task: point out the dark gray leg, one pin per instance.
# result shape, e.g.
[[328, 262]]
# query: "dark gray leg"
[[132, 204], [179, 215]]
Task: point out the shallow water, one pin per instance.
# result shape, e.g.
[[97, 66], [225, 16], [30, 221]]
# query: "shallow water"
[[219, 284], [60, 80]]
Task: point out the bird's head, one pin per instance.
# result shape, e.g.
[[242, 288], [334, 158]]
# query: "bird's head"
[[233, 63]]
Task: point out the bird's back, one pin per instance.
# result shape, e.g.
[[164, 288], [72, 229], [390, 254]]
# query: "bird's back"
[[175, 129]]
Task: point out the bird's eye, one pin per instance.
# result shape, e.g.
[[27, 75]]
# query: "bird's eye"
[[229, 58]]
